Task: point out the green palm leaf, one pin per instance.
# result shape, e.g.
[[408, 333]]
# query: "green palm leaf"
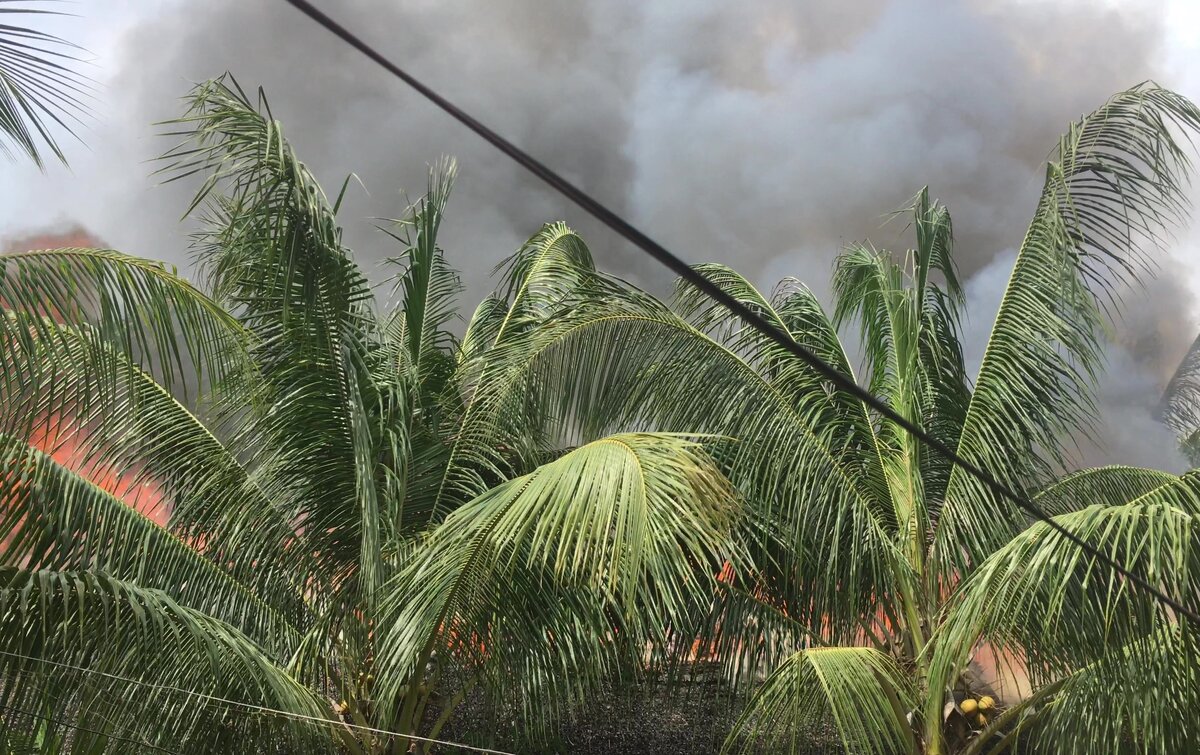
[[1179, 406], [538, 281], [621, 359], [57, 519], [1141, 695], [118, 654], [1061, 609], [542, 273], [860, 690], [143, 309], [1110, 485], [429, 286], [625, 531], [273, 254], [39, 88], [126, 421]]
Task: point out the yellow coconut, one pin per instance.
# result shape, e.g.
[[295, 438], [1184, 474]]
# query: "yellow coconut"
[[968, 706], [980, 720], [986, 703]]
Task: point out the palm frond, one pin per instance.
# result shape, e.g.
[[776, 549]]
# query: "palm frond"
[[55, 518], [273, 254], [1059, 608], [1179, 406], [1108, 485], [113, 656], [792, 308], [619, 359], [935, 244], [428, 284], [1140, 695], [141, 307], [859, 690], [542, 273], [482, 328], [40, 90], [121, 419], [908, 328], [1114, 183], [710, 316], [625, 531]]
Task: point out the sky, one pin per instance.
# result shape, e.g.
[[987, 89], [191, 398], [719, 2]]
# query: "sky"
[[765, 135]]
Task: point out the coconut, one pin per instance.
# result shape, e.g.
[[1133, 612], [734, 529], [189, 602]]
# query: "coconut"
[[986, 703], [968, 706], [980, 720]]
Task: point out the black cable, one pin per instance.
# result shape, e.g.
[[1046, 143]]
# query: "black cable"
[[683, 270], [106, 735]]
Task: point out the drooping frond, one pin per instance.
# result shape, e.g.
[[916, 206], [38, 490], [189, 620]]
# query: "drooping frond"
[[482, 328], [1110, 485], [792, 309], [811, 326], [538, 279], [88, 650], [40, 90], [1141, 695], [127, 427], [1114, 183], [859, 690], [707, 314], [567, 570], [1059, 608], [1108, 663], [869, 287], [55, 518], [140, 307]]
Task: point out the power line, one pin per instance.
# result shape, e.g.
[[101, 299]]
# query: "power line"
[[252, 706], [630, 233], [107, 735]]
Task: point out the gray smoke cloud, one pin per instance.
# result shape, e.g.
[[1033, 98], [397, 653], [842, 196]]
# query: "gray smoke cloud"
[[762, 135]]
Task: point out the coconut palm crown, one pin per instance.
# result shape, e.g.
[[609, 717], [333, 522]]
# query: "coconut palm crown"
[[368, 519], [335, 549], [876, 571]]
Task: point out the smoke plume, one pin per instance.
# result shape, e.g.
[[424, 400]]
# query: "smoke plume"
[[762, 135]]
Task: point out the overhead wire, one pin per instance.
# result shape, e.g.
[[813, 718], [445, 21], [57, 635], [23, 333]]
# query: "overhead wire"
[[639, 239]]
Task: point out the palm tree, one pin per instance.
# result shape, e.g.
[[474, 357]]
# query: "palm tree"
[[875, 571], [337, 549], [369, 518], [39, 88]]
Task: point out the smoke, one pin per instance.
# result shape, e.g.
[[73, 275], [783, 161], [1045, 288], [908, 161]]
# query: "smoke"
[[765, 136]]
